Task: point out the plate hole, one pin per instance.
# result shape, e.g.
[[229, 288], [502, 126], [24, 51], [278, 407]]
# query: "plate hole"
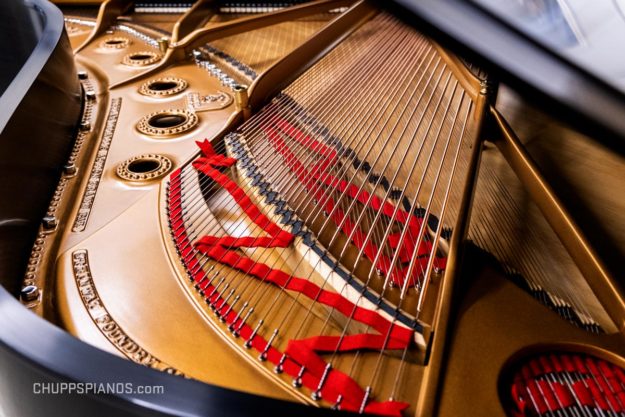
[[114, 42], [167, 120], [143, 166], [140, 57], [163, 85]]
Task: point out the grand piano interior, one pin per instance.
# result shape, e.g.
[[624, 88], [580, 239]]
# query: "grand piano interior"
[[408, 208]]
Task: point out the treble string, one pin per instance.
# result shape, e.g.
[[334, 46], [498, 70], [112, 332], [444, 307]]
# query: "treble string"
[[336, 234], [437, 236], [273, 113], [200, 198], [416, 250]]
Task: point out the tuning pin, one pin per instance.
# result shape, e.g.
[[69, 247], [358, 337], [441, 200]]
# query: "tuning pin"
[[297, 382], [29, 293], [365, 399], [248, 342], [337, 404], [280, 366]]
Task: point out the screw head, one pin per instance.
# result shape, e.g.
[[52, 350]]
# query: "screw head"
[[69, 169], [49, 222], [84, 126], [29, 293], [90, 95]]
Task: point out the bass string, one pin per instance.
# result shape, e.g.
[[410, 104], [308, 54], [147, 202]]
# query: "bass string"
[[330, 243], [396, 209], [436, 140], [352, 313], [403, 191], [256, 118], [428, 207], [451, 177], [281, 180], [366, 283], [376, 184]]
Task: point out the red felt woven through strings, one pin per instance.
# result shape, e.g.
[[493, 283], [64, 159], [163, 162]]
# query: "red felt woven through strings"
[[549, 384], [300, 353], [317, 177]]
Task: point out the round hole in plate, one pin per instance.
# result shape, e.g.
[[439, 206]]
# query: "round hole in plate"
[[141, 58], [167, 122], [144, 167], [116, 42], [161, 87], [163, 121]]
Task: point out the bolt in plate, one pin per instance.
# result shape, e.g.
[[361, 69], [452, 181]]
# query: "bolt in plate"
[[49, 222], [29, 293], [69, 169]]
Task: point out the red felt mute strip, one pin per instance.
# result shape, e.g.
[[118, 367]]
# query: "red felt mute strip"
[[318, 175], [556, 382], [301, 353]]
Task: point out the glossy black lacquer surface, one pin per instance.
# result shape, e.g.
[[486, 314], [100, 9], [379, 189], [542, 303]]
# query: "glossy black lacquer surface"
[[589, 34], [33, 351], [40, 108], [25, 25]]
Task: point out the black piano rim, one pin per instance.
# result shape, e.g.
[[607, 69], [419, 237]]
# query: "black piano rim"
[[32, 350]]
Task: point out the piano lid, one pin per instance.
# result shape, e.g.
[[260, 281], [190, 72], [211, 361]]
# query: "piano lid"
[[562, 55], [30, 32], [589, 34]]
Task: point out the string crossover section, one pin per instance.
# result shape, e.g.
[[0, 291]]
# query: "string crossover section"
[[318, 233]]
